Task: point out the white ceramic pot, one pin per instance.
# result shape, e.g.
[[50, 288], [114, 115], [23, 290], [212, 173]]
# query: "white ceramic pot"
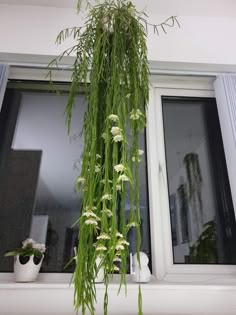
[[27, 272]]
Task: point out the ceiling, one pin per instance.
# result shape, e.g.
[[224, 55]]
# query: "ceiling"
[[170, 7]]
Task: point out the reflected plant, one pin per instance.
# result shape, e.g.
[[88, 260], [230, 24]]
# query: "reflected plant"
[[184, 209], [204, 251], [194, 179]]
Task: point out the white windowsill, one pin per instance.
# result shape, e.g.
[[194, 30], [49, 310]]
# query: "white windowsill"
[[175, 295], [64, 281]]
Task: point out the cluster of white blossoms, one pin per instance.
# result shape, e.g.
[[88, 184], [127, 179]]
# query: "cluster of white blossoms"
[[89, 214], [91, 222], [103, 181], [113, 117], [117, 134], [123, 178], [118, 234], [108, 212], [136, 114], [30, 243], [131, 224], [120, 242], [115, 131], [103, 236], [40, 247], [117, 259], [120, 246], [137, 157], [118, 187], [97, 168], [106, 197], [80, 180], [101, 248], [91, 217], [119, 168]]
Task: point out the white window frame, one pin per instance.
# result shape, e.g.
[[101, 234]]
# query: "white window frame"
[[163, 266], [162, 253], [174, 289]]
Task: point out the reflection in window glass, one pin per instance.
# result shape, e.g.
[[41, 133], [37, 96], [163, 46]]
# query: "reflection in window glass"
[[201, 210], [39, 164]]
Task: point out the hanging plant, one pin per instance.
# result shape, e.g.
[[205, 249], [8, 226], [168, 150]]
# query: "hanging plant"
[[111, 67], [194, 179], [204, 250]]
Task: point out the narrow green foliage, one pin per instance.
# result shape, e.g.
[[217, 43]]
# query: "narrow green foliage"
[[111, 67], [140, 306], [112, 49]]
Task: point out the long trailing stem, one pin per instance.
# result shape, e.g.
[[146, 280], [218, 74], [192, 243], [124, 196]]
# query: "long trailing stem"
[[111, 67]]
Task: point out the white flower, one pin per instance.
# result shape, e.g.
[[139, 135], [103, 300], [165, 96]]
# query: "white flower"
[[116, 131], [118, 234], [108, 212], [113, 117], [101, 247], [134, 159], [98, 156], [115, 268], [80, 180], [107, 197], [140, 152], [118, 138], [97, 168], [117, 259], [123, 242], [135, 114], [103, 236], [123, 178], [40, 247], [88, 214], [131, 224], [104, 136], [119, 247], [119, 168], [91, 222], [103, 181], [28, 242], [118, 187]]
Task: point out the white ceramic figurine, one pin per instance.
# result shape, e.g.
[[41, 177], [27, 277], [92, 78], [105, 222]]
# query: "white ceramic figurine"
[[142, 273]]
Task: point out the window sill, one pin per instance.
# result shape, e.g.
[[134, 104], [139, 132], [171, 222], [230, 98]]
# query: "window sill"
[[52, 294], [177, 281]]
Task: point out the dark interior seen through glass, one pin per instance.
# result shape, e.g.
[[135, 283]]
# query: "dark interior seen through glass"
[[39, 164], [201, 209]]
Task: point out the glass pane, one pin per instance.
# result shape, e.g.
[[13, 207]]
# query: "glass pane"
[[201, 210], [39, 164]]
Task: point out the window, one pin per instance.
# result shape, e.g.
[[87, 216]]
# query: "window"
[[39, 166], [203, 226], [182, 119], [170, 227]]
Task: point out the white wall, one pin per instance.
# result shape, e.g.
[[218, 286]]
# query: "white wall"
[[206, 40]]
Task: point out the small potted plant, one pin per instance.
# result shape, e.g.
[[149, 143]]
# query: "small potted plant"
[[27, 260]]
